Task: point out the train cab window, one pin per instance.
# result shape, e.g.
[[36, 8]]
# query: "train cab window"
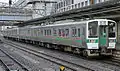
[[78, 32], [92, 29], [111, 29]]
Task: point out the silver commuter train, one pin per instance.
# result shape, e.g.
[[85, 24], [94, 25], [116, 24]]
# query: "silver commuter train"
[[90, 38]]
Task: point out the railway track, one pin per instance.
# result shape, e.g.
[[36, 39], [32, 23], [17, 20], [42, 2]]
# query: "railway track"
[[10, 63], [67, 64], [5, 67], [74, 66]]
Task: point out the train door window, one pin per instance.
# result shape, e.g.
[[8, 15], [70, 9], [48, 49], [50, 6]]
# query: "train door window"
[[28, 31], [72, 1], [74, 31], [45, 32], [86, 3], [78, 32], [38, 32], [54, 32], [59, 32], [63, 32], [41, 31], [61, 4], [57, 6], [84, 31], [64, 3], [99, 1], [66, 32], [111, 29], [75, 5], [34, 32], [78, 5], [72, 6], [82, 4], [50, 31]]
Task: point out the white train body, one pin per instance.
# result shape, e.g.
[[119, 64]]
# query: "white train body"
[[91, 37]]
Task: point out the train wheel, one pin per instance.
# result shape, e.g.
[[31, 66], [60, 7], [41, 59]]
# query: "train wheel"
[[85, 53]]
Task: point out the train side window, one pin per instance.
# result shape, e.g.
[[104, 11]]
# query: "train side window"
[[78, 32]]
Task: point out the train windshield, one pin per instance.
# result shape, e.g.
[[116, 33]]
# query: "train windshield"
[[111, 29], [92, 29]]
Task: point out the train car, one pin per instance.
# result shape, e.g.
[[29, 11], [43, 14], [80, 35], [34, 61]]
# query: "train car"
[[90, 38]]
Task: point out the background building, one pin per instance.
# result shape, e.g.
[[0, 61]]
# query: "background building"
[[65, 5], [40, 8]]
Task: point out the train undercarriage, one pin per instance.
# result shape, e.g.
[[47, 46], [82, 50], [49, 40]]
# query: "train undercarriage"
[[75, 50]]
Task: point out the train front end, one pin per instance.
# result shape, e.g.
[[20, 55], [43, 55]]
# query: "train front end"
[[107, 37], [101, 36]]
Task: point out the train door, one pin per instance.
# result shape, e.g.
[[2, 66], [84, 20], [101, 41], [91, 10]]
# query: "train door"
[[103, 36]]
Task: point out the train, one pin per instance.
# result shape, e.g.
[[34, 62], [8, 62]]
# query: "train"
[[94, 37]]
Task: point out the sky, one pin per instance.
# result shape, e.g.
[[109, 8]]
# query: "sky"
[[7, 1]]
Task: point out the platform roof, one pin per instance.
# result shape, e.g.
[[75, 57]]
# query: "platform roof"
[[99, 10]]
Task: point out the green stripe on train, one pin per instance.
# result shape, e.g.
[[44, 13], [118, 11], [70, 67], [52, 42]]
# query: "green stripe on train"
[[67, 39], [88, 40]]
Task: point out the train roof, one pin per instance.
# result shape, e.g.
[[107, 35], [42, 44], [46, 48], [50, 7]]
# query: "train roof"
[[72, 22]]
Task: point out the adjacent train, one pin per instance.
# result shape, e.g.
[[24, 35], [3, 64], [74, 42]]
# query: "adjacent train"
[[90, 38]]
